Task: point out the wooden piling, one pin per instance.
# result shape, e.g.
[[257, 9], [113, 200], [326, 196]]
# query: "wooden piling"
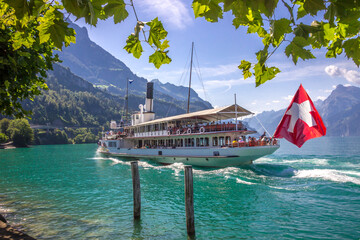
[[189, 201], [136, 189]]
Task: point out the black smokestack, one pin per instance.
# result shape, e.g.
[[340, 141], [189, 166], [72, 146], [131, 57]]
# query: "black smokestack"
[[150, 90]]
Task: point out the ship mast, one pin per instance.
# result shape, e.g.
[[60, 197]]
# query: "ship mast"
[[192, 49], [127, 100]]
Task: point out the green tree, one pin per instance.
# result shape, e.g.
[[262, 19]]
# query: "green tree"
[[309, 25], [3, 138], [32, 29], [4, 125], [26, 50], [20, 132]]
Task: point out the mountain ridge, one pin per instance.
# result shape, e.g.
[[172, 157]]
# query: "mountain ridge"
[[94, 64]]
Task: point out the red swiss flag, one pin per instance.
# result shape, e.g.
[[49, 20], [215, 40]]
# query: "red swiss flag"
[[301, 120]]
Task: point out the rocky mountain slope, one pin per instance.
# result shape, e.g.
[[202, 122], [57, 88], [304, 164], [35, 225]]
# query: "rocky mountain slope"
[[97, 66]]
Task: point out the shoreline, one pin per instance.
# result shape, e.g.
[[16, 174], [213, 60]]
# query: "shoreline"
[[8, 145], [8, 232]]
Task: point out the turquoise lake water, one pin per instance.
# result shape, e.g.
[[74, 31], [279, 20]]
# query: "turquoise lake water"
[[70, 192]]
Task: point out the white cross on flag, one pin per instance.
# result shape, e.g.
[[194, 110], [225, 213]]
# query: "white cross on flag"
[[301, 120]]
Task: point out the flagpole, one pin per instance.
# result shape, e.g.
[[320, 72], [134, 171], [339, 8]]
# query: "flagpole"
[[127, 100], [236, 123], [192, 49]]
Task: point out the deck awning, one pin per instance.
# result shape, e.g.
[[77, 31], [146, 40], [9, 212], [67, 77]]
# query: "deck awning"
[[214, 114]]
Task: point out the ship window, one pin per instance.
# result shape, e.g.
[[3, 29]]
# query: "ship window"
[[112, 144], [215, 141], [206, 141], [198, 142], [228, 140], [221, 141], [201, 142], [192, 142], [137, 116]]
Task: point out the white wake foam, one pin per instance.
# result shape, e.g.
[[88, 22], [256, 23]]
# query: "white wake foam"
[[238, 180], [329, 174], [313, 161]]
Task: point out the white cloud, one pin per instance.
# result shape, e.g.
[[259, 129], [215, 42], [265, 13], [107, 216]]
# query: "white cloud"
[[275, 101], [288, 97], [347, 85], [328, 90], [350, 75], [322, 98], [173, 12]]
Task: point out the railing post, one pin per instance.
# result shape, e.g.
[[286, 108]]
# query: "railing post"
[[189, 201], [136, 189]]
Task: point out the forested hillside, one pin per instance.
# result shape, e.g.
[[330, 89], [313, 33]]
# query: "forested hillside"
[[74, 102]]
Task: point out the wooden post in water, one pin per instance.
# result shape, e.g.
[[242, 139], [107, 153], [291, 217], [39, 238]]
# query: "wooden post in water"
[[189, 201], [136, 189]]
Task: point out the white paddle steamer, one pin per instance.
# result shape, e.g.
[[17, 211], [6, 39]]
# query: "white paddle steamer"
[[202, 138]]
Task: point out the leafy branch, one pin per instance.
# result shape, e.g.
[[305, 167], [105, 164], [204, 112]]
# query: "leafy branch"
[[156, 39], [338, 32]]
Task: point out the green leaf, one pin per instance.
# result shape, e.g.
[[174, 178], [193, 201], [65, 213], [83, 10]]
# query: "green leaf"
[[257, 29], [296, 49], [158, 58], [280, 28], [133, 46], [164, 45], [334, 49], [53, 27], [266, 7], [352, 49], [156, 33], [263, 73], [330, 14], [209, 9], [262, 55], [117, 9], [21, 7], [87, 9], [329, 32], [313, 6], [199, 9], [245, 67], [341, 29], [301, 10]]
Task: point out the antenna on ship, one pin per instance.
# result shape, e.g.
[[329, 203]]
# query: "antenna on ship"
[[127, 100], [191, 63]]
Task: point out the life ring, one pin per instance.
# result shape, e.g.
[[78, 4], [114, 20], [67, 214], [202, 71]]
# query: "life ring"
[[188, 131], [202, 130], [178, 132]]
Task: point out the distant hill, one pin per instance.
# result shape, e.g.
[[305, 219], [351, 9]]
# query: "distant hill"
[[340, 113], [97, 66], [73, 102]]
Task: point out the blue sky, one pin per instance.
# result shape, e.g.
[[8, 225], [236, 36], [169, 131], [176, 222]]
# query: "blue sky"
[[219, 50]]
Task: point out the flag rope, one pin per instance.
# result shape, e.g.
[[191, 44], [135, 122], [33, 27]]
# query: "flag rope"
[[262, 126]]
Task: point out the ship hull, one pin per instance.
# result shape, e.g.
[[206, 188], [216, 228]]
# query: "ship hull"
[[203, 157]]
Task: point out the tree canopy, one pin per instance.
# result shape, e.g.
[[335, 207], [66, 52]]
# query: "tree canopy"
[[32, 29], [308, 25], [20, 132]]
